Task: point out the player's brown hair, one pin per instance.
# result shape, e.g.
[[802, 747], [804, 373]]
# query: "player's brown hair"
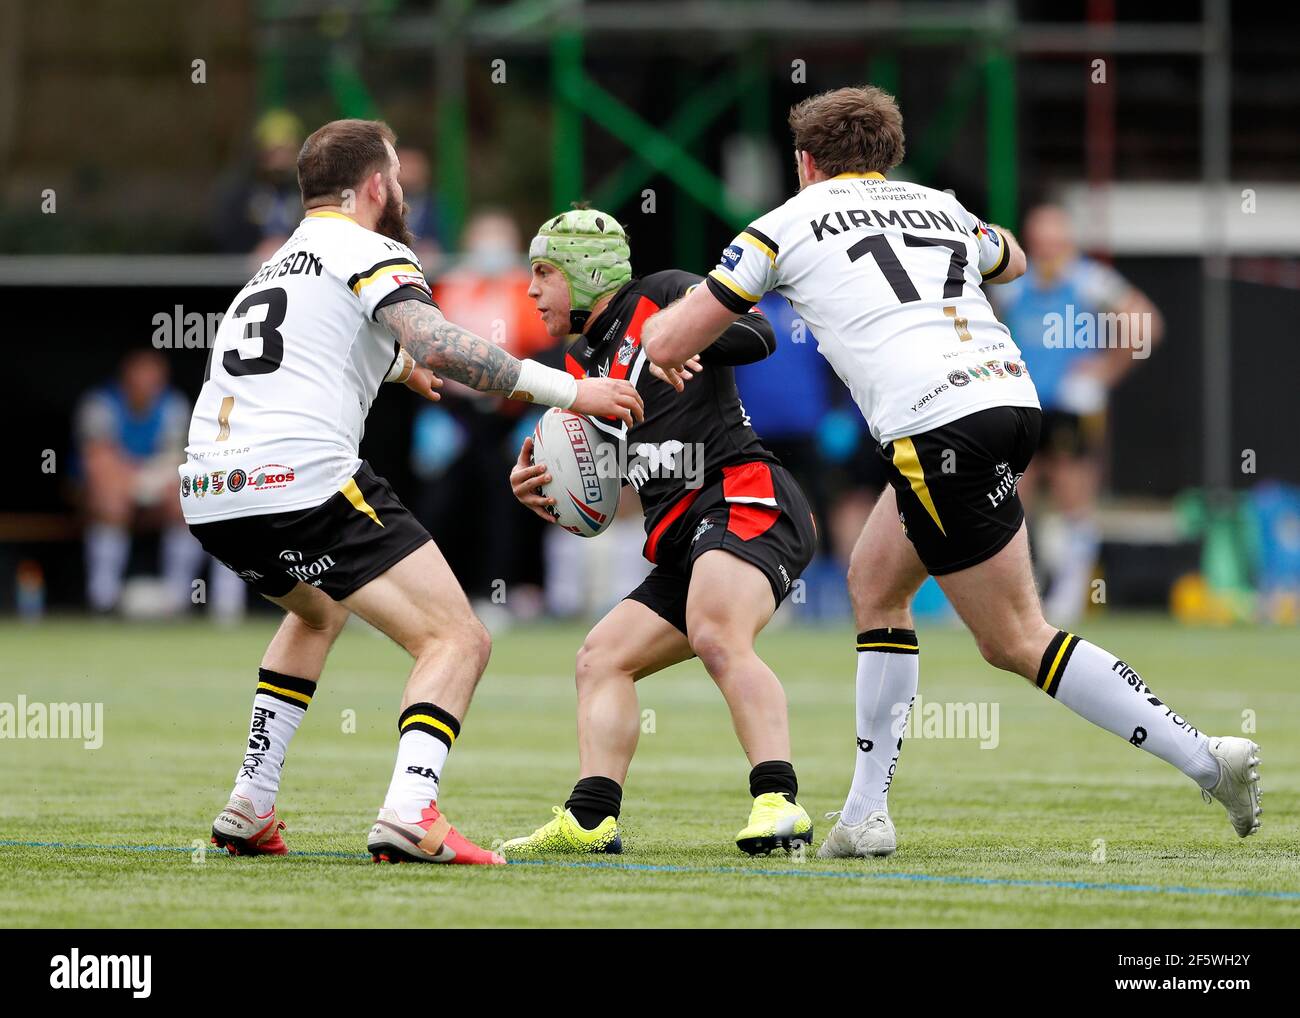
[[850, 130], [340, 155]]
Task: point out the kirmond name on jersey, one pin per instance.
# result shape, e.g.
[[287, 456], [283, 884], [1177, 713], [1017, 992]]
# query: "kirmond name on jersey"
[[872, 219]]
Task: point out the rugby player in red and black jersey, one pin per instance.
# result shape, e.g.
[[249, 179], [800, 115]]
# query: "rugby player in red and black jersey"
[[727, 529]]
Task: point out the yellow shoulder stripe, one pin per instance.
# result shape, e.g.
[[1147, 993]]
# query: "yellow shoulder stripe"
[[730, 284], [387, 270], [1002, 245], [753, 241]]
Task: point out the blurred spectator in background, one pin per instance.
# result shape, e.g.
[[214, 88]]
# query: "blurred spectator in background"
[[258, 209], [1047, 311], [463, 446], [786, 398], [424, 217], [131, 435]]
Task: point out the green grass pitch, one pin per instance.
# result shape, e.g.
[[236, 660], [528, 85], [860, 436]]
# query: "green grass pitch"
[[1059, 825]]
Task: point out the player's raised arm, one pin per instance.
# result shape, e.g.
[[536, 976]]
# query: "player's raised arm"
[[681, 330], [748, 339], [450, 351], [1000, 257], [746, 271]]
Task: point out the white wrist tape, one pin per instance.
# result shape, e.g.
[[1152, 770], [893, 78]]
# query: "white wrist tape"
[[403, 365], [548, 386]]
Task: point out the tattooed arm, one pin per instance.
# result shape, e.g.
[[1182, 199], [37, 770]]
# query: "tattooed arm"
[[450, 351]]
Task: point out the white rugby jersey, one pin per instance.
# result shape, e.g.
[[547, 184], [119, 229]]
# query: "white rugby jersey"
[[296, 363], [887, 275]]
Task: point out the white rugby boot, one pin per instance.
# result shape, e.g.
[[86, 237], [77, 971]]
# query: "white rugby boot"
[[874, 836], [1238, 785]]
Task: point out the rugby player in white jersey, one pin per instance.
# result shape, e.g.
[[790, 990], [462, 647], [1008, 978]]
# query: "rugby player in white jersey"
[[888, 276], [274, 488]]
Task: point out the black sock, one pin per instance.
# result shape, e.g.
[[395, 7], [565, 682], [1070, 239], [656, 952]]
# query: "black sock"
[[594, 799], [773, 776]]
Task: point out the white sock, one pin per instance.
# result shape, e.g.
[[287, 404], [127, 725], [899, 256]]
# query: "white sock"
[[108, 547], [279, 705], [1098, 686], [427, 735], [181, 555], [889, 667], [1068, 597], [227, 593]]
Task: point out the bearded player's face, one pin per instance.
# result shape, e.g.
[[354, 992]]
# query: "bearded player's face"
[[392, 220]]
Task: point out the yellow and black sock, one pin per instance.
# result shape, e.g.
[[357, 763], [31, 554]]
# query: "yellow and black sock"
[[279, 705], [426, 735]]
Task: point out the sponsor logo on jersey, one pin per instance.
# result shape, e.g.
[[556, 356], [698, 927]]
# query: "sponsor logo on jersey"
[[784, 575], [236, 481], [1014, 368], [731, 255], [289, 555], [626, 350], [930, 397], [407, 279], [705, 526], [185, 486], [218, 481], [200, 485], [958, 378], [271, 475]]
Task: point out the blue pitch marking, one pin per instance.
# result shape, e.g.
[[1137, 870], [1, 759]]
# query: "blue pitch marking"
[[1058, 885]]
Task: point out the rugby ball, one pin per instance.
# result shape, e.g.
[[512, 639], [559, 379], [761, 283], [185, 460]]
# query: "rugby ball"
[[577, 455]]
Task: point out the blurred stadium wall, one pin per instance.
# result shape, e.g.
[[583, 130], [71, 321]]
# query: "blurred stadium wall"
[[672, 115]]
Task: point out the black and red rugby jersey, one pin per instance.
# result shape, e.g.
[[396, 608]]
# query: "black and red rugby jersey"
[[707, 416]]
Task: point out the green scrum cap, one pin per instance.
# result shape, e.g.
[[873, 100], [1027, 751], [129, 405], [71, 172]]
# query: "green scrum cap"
[[589, 248]]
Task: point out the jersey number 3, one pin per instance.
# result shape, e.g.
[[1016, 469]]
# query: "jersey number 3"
[[266, 326]]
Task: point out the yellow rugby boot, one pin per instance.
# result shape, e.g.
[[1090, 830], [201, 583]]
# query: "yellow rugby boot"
[[563, 835], [775, 822]]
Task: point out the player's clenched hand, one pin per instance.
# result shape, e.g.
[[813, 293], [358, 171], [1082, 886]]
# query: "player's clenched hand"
[[609, 397], [677, 377], [424, 382], [525, 479]]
